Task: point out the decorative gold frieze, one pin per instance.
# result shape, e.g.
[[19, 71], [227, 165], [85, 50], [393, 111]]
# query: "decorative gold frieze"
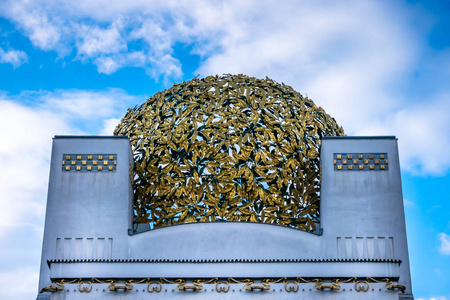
[[223, 285], [374, 161], [84, 163]]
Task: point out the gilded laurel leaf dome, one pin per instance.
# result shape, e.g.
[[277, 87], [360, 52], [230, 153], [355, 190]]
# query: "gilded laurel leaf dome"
[[227, 148]]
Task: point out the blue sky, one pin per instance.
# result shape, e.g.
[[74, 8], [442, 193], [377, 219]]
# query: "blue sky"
[[73, 67]]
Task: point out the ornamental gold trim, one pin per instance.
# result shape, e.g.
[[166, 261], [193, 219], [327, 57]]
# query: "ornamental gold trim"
[[223, 285], [227, 148], [84, 163], [363, 162]]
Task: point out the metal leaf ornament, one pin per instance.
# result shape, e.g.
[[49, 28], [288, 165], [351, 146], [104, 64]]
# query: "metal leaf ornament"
[[227, 148]]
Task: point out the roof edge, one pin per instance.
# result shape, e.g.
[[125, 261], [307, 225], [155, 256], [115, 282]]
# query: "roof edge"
[[362, 137]]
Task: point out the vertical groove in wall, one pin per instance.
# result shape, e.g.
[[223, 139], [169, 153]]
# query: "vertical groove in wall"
[[370, 248], [339, 247], [89, 248], [348, 247], [359, 247], [83, 248], [365, 247], [381, 247]]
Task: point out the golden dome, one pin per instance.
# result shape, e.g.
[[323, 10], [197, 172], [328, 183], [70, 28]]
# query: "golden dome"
[[227, 148]]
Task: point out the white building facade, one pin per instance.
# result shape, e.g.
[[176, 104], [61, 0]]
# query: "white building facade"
[[92, 249]]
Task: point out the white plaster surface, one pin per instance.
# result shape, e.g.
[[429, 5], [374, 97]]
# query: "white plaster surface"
[[89, 214]]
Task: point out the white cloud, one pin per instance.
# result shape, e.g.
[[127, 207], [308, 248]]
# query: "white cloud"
[[84, 104], [22, 283], [109, 125], [422, 129], [407, 202], [24, 155], [445, 243], [43, 30], [94, 40], [14, 57]]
